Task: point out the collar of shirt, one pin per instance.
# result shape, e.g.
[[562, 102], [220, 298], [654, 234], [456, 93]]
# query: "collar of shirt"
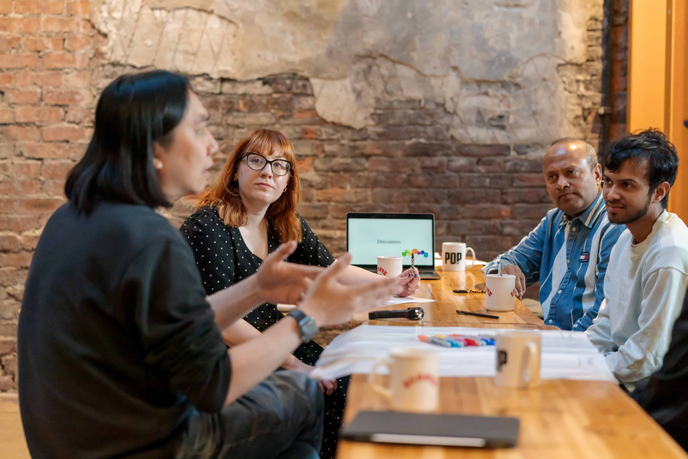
[[589, 215]]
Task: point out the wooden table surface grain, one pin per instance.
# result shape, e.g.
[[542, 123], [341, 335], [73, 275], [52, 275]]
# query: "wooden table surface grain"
[[443, 311], [560, 419]]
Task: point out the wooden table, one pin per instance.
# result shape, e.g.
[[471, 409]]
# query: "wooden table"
[[561, 419], [443, 312]]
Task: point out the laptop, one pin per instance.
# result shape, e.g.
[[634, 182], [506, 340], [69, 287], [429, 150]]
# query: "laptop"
[[432, 429], [369, 235]]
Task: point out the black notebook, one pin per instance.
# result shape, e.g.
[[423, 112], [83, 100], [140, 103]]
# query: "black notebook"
[[432, 429]]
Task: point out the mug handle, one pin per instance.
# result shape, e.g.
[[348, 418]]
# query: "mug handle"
[[530, 351], [472, 259], [385, 392]]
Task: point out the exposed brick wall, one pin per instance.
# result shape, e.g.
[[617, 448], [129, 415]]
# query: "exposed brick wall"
[[51, 71], [47, 65]]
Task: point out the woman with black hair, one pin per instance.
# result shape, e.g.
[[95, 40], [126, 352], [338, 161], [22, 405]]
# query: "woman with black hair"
[[120, 350]]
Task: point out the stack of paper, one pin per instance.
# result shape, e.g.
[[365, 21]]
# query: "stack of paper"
[[565, 355]]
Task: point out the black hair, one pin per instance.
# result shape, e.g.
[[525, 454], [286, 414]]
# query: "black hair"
[[590, 153], [133, 111], [650, 146]]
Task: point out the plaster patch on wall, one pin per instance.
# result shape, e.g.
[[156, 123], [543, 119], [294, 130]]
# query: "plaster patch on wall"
[[338, 102], [230, 39], [506, 71]]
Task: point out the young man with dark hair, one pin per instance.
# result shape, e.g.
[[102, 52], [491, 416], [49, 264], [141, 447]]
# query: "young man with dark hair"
[[569, 250], [648, 274]]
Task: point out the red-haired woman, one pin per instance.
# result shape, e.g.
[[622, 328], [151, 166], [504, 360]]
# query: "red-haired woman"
[[242, 217]]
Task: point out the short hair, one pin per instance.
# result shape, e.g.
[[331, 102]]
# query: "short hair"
[[133, 111], [224, 195], [650, 146], [590, 152]]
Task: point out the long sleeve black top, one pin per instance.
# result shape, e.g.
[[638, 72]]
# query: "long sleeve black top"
[[117, 343]]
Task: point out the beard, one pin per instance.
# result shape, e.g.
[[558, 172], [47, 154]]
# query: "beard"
[[635, 216]]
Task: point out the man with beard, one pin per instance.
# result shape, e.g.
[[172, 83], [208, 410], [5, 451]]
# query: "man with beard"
[[648, 269], [569, 250]]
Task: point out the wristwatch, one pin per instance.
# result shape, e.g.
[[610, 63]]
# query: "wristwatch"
[[306, 324]]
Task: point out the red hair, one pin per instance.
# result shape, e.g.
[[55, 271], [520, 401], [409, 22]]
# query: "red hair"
[[224, 195]]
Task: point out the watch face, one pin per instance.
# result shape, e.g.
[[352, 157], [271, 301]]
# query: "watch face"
[[308, 328]]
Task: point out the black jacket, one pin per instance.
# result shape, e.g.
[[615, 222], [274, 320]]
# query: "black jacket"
[[117, 343], [666, 396]]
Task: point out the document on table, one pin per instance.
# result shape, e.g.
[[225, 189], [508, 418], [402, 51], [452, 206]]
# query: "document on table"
[[565, 355], [409, 299]]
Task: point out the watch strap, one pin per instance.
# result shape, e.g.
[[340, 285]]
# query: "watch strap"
[[307, 327]]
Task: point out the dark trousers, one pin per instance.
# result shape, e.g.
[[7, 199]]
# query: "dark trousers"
[[282, 417]]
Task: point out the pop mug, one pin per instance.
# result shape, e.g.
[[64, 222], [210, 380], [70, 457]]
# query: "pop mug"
[[454, 256]]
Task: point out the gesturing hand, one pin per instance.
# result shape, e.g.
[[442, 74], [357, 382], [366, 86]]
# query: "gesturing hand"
[[283, 282], [330, 302]]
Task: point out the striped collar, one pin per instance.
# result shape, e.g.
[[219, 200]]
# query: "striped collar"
[[590, 215]]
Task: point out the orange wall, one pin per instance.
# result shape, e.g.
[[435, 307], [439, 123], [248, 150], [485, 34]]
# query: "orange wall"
[[647, 64], [678, 108], [658, 80]]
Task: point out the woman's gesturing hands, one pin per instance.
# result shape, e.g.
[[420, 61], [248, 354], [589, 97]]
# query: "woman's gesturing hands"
[[331, 302], [282, 282], [320, 292]]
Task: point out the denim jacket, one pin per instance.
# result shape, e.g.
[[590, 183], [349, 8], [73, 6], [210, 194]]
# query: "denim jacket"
[[569, 257]]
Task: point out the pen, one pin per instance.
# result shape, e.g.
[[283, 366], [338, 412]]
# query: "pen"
[[413, 265], [477, 314]]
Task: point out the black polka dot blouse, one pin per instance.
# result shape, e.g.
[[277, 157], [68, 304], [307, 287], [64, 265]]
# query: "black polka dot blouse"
[[223, 259]]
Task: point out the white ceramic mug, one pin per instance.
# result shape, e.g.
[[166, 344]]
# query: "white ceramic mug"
[[518, 358], [389, 266], [454, 256], [413, 380], [500, 292]]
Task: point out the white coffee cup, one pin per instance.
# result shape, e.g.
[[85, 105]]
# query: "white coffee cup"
[[454, 256], [518, 358], [413, 380], [500, 292], [389, 266]]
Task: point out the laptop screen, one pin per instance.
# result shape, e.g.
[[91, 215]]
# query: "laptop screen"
[[371, 235]]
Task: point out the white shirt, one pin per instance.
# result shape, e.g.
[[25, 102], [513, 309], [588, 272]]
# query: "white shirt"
[[644, 290]]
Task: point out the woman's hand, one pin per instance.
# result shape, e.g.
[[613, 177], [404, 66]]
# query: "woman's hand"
[[412, 283], [283, 282], [331, 302]]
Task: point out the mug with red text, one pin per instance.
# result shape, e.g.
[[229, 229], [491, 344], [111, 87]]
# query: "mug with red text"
[[389, 266], [500, 292], [413, 380]]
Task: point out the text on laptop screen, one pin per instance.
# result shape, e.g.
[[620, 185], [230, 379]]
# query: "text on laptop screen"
[[373, 237]]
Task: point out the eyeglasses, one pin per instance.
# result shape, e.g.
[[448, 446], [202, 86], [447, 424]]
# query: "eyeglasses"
[[257, 162]]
